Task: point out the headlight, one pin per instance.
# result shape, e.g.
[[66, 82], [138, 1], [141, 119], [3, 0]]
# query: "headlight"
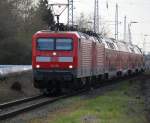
[[70, 66], [37, 66], [54, 53]]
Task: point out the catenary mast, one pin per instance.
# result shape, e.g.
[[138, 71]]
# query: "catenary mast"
[[70, 12], [116, 23], [96, 16]]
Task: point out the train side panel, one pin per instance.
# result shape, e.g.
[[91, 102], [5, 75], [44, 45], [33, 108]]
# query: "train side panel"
[[100, 59], [84, 58]]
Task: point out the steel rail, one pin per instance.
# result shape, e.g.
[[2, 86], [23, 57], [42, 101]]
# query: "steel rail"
[[28, 107], [16, 102]]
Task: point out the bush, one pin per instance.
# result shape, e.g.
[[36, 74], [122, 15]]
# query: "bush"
[[16, 86]]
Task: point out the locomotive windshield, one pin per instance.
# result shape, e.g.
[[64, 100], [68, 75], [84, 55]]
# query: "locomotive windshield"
[[63, 44], [45, 44], [54, 44]]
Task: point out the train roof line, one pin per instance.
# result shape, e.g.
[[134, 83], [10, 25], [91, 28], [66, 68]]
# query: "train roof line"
[[87, 36]]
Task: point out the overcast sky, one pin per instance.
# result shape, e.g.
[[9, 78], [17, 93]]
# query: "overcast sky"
[[135, 10]]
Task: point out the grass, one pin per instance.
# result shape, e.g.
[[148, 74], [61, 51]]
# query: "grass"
[[121, 105]]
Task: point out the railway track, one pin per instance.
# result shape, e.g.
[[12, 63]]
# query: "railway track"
[[15, 107], [11, 109]]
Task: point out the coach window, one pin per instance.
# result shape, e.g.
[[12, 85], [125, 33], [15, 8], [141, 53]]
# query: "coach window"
[[45, 44], [63, 44]]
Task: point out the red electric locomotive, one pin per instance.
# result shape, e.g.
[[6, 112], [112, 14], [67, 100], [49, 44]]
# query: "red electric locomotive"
[[73, 59]]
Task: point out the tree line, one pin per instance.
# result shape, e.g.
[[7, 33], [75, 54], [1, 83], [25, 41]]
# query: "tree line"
[[19, 20]]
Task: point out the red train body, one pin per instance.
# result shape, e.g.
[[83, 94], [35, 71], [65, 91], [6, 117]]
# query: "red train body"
[[69, 59]]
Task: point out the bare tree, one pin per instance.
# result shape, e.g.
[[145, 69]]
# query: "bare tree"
[[19, 20], [86, 23]]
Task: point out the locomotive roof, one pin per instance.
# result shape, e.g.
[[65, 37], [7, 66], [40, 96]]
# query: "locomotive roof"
[[79, 34], [59, 32], [110, 43]]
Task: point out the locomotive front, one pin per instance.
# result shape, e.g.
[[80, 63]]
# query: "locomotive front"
[[54, 59]]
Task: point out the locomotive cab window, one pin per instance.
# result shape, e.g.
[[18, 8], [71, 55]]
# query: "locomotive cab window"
[[63, 44], [54, 44], [45, 44]]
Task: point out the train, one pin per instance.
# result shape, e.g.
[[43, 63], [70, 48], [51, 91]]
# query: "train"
[[71, 59]]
